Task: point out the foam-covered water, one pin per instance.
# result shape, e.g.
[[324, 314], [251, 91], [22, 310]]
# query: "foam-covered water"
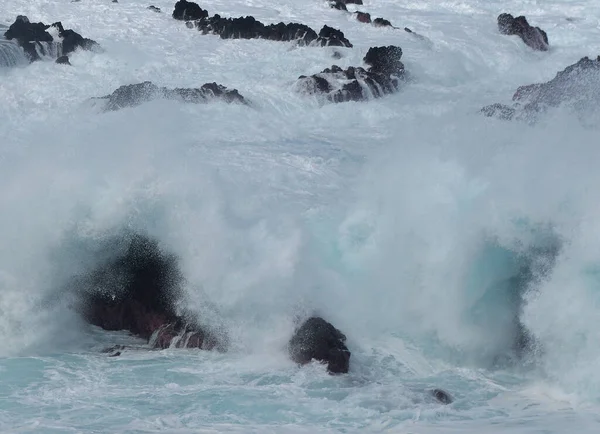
[[415, 225]]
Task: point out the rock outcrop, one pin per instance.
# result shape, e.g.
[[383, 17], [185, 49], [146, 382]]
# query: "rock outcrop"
[[250, 28], [135, 94], [36, 41], [316, 339], [188, 11], [533, 37], [577, 86], [383, 77], [137, 290]]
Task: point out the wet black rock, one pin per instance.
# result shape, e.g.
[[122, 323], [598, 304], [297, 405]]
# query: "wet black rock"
[[63, 60], [534, 37], [154, 9], [316, 339], [137, 288], [250, 28], [577, 86], [185, 10], [34, 37], [135, 94], [383, 77], [381, 22], [363, 17]]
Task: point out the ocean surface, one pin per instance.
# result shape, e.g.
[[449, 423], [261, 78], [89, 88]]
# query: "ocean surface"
[[405, 221]]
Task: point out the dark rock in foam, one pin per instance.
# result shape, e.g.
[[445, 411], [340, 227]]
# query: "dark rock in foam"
[[316, 339], [137, 289], [577, 86], [185, 10], [533, 37], [355, 83], [250, 28], [34, 37], [135, 94]]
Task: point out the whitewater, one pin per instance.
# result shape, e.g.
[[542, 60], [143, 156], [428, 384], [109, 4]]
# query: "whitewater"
[[405, 221]]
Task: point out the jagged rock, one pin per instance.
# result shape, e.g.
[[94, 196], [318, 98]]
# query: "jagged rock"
[[381, 22], [137, 290], [135, 94], [316, 339], [250, 28], [385, 60], [357, 84], [363, 17], [63, 60], [328, 36], [185, 10], [577, 86], [154, 9], [33, 36], [534, 37]]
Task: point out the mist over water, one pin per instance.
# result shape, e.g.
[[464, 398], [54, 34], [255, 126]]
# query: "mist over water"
[[427, 233]]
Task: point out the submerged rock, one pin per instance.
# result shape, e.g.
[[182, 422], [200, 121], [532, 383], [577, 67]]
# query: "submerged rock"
[[534, 37], [355, 83], [250, 28], [36, 41], [135, 94], [154, 9], [577, 86], [442, 396], [316, 339]]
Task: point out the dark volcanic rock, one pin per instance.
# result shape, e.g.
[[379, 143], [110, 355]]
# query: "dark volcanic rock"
[[250, 28], [381, 22], [319, 340], [442, 396], [357, 84], [385, 60], [534, 37], [328, 36], [34, 38], [135, 94], [63, 60], [137, 289], [577, 86], [185, 10], [363, 17], [154, 9]]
